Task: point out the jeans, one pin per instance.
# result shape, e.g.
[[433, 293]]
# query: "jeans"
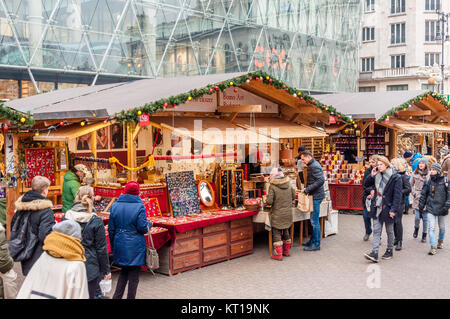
[[367, 222], [94, 288], [432, 220], [128, 275], [377, 230], [315, 223], [424, 217]]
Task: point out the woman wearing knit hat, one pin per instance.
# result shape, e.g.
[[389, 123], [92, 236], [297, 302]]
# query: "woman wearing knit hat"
[[435, 196], [386, 203], [280, 196], [400, 165], [60, 272], [127, 226], [418, 178], [93, 239]]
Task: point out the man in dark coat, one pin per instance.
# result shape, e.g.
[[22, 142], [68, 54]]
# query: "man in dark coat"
[[314, 187], [366, 218], [42, 219], [386, 203], [435, 196]]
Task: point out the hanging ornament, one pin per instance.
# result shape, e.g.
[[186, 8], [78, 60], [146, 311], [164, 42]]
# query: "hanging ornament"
[[283, 86], [36, 133], [190, 98], [250, 78], [61, 123], [166, 105], [5, 127], [231, 83], [22, 119], [299, 93], [314, 101], [217, 88], [339, 115], [270, 80], [211, 90], [139, 112], [83, 123], [294, 95], [267, 77], [235, 90]]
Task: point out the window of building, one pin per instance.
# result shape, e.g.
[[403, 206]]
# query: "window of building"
[[428, 87], [366, 89], [400, 87], [398, 33], [397, 61], [432, 58], [397, 6], [432, 5], [368, 64], [368, 34], [369, 5], [432, 28]]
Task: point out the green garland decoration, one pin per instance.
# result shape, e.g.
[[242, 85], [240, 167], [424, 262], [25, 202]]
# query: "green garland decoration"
[[151, 107], [15, 117]]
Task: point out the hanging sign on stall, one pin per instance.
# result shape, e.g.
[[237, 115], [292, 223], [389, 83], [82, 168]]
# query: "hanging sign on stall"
[[144, 120], [332, 119], [238, 96]]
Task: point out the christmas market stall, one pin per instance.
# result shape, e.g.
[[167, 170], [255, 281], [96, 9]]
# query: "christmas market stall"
[[201, 147]]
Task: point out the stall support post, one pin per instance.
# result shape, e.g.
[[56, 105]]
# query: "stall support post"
[[133, 132], [12, 193], [94, 151]]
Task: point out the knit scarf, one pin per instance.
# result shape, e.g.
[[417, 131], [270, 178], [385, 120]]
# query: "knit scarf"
[[381, 180], [60, 245]]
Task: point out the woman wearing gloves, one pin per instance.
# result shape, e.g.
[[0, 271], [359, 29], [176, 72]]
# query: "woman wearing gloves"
[[436, 197], [280, 196], [127, 226]]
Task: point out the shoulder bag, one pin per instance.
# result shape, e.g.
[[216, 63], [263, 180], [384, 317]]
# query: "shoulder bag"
[[151, 255]]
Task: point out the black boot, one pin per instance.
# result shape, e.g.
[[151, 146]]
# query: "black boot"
[[424, 237], [399, 245], [388, 254], [416, 232]]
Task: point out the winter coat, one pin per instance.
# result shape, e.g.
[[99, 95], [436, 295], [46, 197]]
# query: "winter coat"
[[280, 196], [42, 221], [435, 196], [406, 190], [55, 278], [392, 198], [6, 262], [417, 181], [315, 180], [446, 166], [367, 190], [93, 240], [127, 226], [70, 188]]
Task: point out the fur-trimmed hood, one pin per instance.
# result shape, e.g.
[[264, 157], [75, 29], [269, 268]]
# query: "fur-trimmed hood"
[[32, 201], [281, 182]]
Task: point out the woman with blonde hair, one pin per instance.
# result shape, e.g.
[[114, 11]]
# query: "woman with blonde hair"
[[93, 239], [401, 166], [385, 204]]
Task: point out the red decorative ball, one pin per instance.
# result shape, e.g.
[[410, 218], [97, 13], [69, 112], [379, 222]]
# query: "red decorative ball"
[[270, 80], [314, 101], [61, 123], [339, 115], [217, 88], [301, 99], [235, 90], [284, 86], [166, 105], [5, 127], [287, 90], [256, 79], [211, 90], [250, 78]]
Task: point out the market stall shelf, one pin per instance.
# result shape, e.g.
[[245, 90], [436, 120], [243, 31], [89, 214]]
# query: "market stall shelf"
[[204, 239]]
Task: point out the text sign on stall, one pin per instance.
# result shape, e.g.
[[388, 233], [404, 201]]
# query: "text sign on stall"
[[242, 97], [144, 120]]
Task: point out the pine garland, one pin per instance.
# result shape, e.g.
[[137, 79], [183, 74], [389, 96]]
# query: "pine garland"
[[15, 117]]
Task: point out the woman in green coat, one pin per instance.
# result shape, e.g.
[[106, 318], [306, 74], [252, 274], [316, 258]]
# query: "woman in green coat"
[[280, 196]]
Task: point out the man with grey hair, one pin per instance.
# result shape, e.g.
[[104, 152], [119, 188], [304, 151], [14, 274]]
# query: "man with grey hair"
[[34, 210]]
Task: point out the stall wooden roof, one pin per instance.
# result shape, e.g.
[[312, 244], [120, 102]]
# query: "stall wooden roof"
[[436, 127], [278, 128], [67, 133], [212, 131], [407, 127]]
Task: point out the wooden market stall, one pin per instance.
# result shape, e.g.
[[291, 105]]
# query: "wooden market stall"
[[147, 130]]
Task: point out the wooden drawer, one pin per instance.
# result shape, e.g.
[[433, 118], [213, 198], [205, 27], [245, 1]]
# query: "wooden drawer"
[[241, 234], [186, 245], [241, 222], [215, 240], [215, 228], [241, 247], [189, 234], [186, 261], [215, 253]]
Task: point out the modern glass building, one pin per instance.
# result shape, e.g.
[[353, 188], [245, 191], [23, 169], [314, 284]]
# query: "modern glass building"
[[311, 44]]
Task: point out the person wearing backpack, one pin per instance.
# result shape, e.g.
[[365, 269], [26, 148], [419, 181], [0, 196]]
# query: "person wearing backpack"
[[93, 239], [435, 196], [32, 222]]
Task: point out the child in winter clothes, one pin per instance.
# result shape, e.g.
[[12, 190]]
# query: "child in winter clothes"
[[418, 178], [93, 240], [280, 196]]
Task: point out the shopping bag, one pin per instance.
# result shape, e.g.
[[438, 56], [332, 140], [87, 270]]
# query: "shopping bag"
[[305, 203]]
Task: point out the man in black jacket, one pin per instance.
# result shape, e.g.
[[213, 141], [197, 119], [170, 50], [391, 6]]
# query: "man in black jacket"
[[314, 187], [42, 219]]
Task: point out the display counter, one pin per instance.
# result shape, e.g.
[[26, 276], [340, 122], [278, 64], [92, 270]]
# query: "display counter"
[[346, 196]]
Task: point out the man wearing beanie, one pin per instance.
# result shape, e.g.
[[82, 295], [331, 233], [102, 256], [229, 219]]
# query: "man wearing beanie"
[[127, 226], [435, 196], [60, 272]]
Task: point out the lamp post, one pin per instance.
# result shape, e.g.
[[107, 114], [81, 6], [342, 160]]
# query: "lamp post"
[[443, 35]]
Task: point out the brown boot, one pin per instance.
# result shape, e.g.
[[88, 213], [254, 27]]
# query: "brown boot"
[[440, 244], [277, 251]]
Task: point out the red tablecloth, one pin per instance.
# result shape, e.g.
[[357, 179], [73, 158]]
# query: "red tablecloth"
[[186, 223]]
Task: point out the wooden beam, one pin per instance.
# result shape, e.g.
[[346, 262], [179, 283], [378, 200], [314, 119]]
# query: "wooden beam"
[[294, 117], [415, 113], [239, 108]]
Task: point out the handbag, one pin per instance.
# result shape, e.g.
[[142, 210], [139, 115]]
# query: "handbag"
[[151, 255], [305, 203]]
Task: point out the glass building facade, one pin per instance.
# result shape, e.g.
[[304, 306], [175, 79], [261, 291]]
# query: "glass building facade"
[[311, 44]]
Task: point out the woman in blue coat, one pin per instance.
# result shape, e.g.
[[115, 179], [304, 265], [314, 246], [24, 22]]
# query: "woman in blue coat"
[[127, 226]]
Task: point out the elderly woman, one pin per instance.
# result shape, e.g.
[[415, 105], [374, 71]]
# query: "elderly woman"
[[400, 165], [280, 196], [386, 203]]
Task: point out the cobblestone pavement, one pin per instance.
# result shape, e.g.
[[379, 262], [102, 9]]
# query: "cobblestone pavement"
[[338, 270]]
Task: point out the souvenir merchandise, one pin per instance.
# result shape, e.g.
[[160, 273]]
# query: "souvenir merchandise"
[[103, 205], [40, 162], [226, 188], [183, 194], [238, 188], [152, 208]]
